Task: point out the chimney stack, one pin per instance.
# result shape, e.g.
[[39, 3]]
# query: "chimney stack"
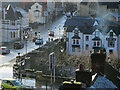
[[85, 24]]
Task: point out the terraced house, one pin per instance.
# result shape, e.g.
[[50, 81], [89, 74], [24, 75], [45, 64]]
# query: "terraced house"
[[84, 34]]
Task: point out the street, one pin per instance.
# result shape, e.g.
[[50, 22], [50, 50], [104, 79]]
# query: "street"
[[6, 61]]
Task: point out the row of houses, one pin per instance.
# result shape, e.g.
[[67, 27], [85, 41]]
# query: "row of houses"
[[17, 16], [85, 33]]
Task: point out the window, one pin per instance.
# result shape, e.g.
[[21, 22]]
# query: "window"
[[11, 34], [87, 38], [73, 49], [8, 82], [97, 34], [111, 51], [14, 34], [12, 22], [98, 43], [111, 34], [36, 6], [94, 43], [73, 41], [87, 46], [76, 32], [77, 41], [111, 44]]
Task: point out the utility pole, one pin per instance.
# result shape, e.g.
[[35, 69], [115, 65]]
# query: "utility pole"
[[39, 39], [26, 36]]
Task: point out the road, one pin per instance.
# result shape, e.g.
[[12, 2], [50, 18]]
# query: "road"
[[7, 61], [4, 59]]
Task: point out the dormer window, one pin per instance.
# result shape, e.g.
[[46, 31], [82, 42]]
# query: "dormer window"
[[87, 38], [76, 32], [97, 33], [111, 34]]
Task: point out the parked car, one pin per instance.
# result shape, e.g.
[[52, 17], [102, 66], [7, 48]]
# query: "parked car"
[[11, 83], [51, 33], [18, 45], [39, 41], [34, 39], [4, 50]]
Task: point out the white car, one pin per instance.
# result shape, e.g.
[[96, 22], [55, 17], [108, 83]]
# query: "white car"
[[68, 15], [4, 50]]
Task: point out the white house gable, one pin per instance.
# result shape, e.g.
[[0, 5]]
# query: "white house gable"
[[111, 32]]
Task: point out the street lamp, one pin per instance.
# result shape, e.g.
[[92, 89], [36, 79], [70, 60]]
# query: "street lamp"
[[26, 36], [48, 35], [31, 33], [61, 50], [20, 28], [59, 33]]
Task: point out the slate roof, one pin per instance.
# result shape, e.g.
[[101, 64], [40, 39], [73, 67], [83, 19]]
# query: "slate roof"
[[79, 21], [96, 38], [71, 24], [110, 5], [116, 30], [75, 37], [11, 13]]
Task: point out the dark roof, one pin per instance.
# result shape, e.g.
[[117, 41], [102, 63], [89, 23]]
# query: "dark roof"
[[11, 14], [76, 37], [90, 30], [70, 28], [111, 23], [79, 21], [84, 3], [18, 14], [76, 45], [115, 29], [96, 38], [110, 5], [87, 30]]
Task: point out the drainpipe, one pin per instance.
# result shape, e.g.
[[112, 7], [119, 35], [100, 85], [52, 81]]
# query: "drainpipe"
[[68, 42], [82, 42], [118, 44]]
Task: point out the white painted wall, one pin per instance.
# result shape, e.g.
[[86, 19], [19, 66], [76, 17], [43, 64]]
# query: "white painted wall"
[[83, 42], [6, 32], [33, 17], [106, 43]]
